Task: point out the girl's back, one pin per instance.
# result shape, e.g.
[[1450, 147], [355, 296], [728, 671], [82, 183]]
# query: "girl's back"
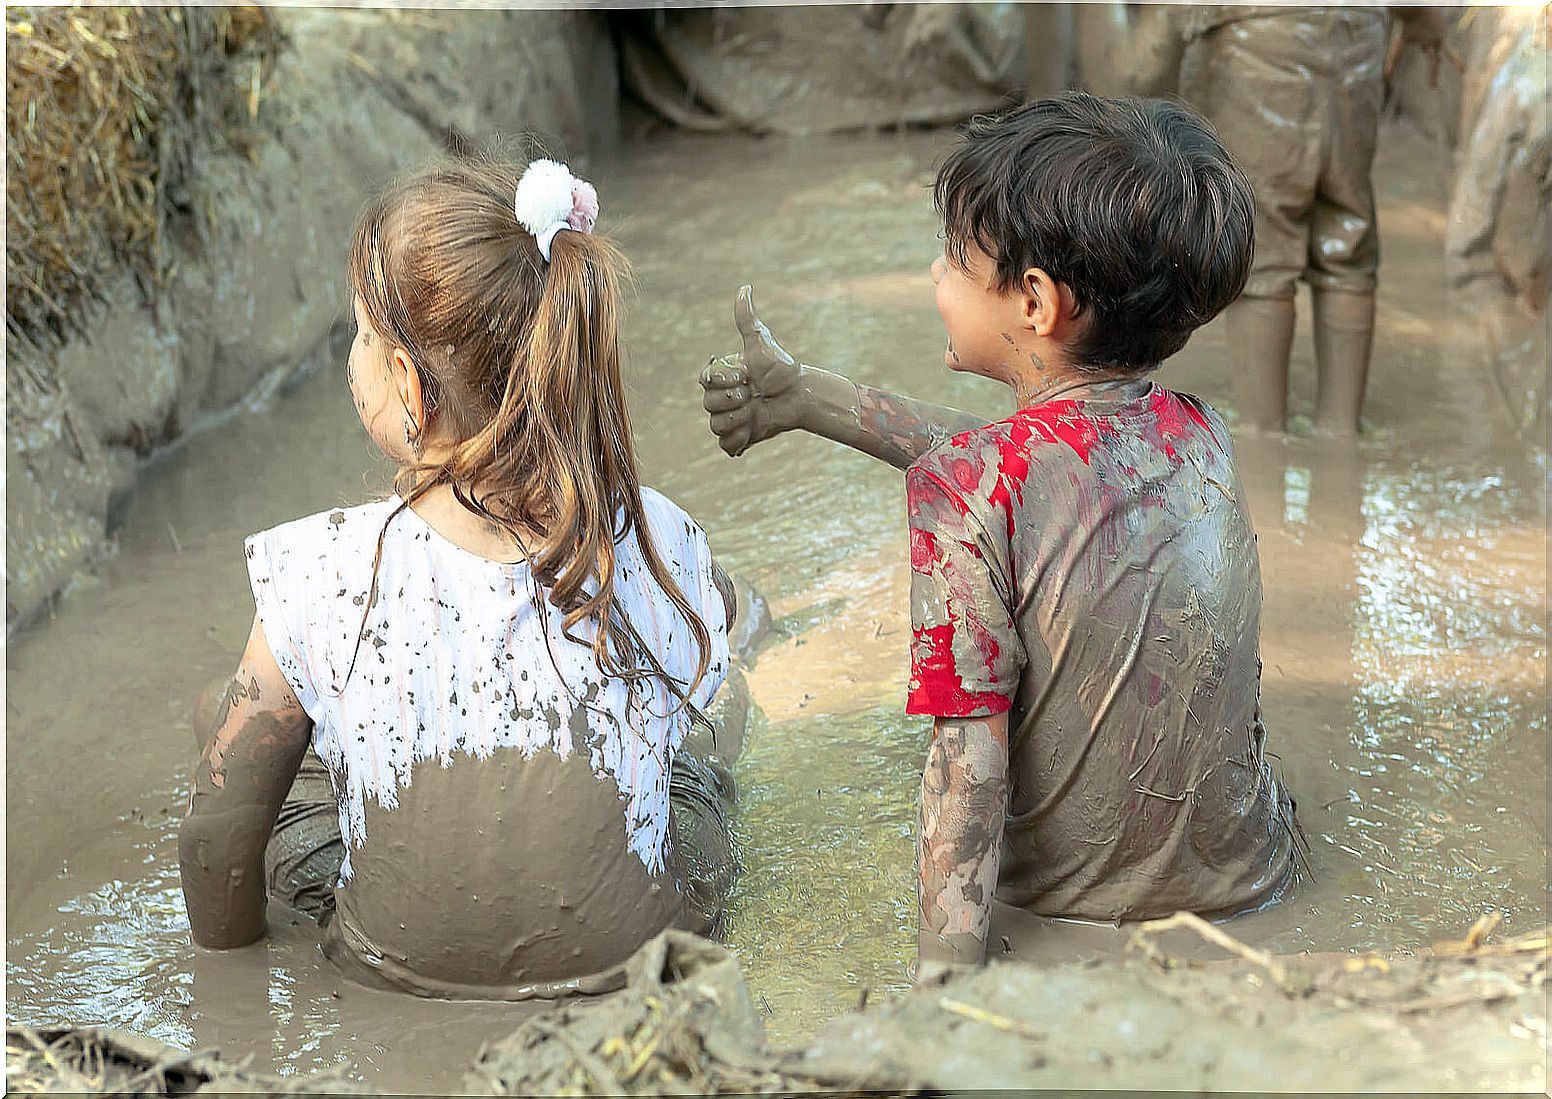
[[503, 804], [501, 739]]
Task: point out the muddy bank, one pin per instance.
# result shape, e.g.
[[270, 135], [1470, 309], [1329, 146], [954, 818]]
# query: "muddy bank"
[[258, 280], [1153, 1021], [1309, 1023], [1465, 1015]]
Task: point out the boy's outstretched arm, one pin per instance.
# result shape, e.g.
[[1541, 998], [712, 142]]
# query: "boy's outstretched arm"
[[964, 802], [244, 774], [764, 392]]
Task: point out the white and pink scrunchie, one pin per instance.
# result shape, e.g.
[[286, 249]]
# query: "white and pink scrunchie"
[[549, 199]]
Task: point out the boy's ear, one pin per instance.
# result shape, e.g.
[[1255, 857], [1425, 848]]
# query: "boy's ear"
[[1047, 304], [407, 378]]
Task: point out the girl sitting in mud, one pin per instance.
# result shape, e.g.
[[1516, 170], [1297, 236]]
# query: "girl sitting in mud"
[[1085, 590], [499, 666]]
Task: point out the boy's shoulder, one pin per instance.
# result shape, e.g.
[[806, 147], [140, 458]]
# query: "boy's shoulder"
[[993, 462]]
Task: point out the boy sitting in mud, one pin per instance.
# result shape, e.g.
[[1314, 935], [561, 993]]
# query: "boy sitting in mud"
[[1085, 590]]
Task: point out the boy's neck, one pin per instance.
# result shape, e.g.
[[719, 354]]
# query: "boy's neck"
[[1072, 383], [1040, 369]]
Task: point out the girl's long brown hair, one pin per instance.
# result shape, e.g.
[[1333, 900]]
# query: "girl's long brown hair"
[[519, 362]]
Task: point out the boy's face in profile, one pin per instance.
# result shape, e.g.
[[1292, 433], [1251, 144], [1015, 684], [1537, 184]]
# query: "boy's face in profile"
[[986, 326]]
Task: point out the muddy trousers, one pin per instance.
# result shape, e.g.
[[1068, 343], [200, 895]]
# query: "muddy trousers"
[[1296, 98]]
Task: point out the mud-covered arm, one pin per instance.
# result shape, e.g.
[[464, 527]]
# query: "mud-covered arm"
[[967, 659], [763, 392], [964, 803], [244, 774]]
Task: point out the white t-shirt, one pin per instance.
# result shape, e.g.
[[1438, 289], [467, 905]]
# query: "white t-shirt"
[[461, 655]]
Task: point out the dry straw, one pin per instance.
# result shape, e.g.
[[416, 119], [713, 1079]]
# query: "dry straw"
[[105, 107], [99, 1061]]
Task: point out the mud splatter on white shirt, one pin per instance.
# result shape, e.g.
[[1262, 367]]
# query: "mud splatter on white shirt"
[[454, 658]]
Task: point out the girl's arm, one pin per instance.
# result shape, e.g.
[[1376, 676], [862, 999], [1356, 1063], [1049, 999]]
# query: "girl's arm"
[[964, 803], [764, 392], [261, 734]]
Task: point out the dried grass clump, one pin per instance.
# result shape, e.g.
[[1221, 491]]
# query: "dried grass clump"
[[683, 1025], [99, 1061], [94, 1062], [105, 107]]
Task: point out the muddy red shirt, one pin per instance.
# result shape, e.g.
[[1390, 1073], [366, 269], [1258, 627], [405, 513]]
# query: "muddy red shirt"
[[1089, 567]]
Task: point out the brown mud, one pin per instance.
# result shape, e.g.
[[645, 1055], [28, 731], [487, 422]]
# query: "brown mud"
[[685, 1023], [1403, 636]]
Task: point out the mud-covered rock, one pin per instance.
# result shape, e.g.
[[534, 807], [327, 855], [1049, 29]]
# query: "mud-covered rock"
[[1467, 1016]]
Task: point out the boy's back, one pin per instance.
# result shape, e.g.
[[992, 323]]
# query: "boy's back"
[[1088, 565], [1085, 601]]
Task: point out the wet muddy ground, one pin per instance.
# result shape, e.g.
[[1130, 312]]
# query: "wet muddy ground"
[[1404, 632]]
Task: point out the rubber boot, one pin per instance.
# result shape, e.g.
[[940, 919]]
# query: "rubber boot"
[[1260, 332], [1344, 338]]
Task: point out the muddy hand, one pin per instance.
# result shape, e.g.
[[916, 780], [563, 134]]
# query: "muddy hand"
[[754, 395]]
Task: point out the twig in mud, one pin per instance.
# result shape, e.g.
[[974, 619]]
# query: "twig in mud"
[[1142, 939], [1480, 930], [177, 547], [990, 1018], [1469, 999], [156, 1074], [45, 1051], [1133, 776], [643, 1056], [1534, 942], [1141, 789]]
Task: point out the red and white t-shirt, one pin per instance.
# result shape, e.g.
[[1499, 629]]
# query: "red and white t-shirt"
[[1089, 566]]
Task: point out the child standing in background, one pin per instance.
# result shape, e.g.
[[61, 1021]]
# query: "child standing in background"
[[1295, 93]]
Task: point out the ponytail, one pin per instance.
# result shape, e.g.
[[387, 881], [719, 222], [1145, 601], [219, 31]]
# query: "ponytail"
[[519, 354], [572, 374]]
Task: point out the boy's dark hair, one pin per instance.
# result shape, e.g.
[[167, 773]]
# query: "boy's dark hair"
[[1134, 204]]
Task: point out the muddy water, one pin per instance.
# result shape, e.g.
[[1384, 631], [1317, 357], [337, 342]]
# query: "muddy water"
[[1403, 633]]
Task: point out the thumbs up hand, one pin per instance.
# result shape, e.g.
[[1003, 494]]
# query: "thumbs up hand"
[[754, 395]]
